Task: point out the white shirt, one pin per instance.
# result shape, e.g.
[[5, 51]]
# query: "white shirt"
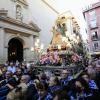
[[12, 69]]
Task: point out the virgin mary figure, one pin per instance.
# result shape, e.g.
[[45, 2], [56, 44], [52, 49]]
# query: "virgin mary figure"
[[57, 37]]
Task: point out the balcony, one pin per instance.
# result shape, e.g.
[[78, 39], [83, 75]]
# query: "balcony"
[[96, 46], [95, 36], [96, 49]]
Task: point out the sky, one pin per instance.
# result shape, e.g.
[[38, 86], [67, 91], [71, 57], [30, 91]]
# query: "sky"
[[86, 2], [76, 7]]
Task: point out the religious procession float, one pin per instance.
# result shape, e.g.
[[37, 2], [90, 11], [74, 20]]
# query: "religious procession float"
[[66, 45]]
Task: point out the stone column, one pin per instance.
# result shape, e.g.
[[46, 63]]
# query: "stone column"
[[5, 53], [2, 53], [25, 54], [30, 56]]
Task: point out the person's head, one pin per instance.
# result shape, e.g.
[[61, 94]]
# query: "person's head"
[[9, 74], [81, 85], [92, 72], [64, 74], [25, 79], [43, 76], [11, 64], [86, 77], [53, 81], [42, 89], [36, 82], [30, 69], [4, 70], [19, 71], [22, 66], [93, 64]]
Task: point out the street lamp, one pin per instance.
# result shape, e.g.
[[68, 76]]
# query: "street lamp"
[[59, 47], [32, 49], [37, 50], [42, 46]]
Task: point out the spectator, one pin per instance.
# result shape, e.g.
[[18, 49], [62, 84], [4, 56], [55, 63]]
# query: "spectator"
[[83, 91], [54, 85], [9, 81], [43, 92], [65, 78], [12, 68], [19, 92]]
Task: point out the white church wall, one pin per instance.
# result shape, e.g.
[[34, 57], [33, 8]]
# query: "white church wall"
[[45, 18], [10, 5], [40, 14]]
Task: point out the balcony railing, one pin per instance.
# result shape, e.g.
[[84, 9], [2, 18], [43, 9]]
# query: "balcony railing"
[[96, 49], [95, 38]]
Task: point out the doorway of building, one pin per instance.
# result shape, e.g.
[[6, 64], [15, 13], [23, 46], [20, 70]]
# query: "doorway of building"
[[15, 50]]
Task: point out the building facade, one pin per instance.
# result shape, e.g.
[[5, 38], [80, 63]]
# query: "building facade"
[[44, 15], [92, 17], [17, 31]]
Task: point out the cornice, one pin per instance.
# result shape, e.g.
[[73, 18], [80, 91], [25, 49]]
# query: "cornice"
[[34, 27], [94, 6], [21, 1], [13, 31], [44, 1]]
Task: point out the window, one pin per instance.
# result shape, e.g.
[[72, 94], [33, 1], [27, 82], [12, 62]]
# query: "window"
[[19, 12], [94, 35], [92, 15], [93, 24], [92, 19], [96, 45]]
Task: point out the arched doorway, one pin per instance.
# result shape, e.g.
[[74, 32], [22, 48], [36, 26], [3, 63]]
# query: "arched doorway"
[[15, 50]]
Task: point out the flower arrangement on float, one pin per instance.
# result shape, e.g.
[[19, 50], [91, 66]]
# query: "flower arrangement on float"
[[50, 59]]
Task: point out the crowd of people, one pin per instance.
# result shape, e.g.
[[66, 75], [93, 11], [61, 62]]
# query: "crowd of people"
[[22, 82]]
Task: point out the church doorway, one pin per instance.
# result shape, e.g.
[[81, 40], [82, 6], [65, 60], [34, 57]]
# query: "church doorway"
[[15, 50]]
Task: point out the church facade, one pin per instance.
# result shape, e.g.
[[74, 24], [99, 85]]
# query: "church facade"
[[17, 31]]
